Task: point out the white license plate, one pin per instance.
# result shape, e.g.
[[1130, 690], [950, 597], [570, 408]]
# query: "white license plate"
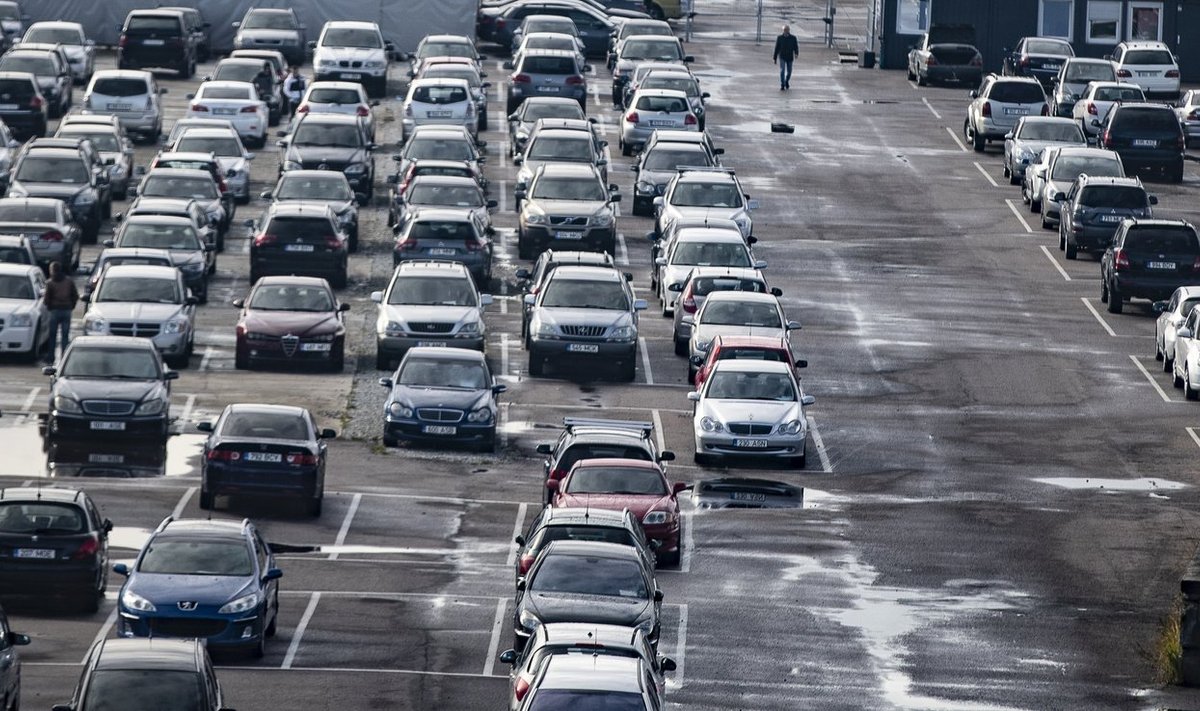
[[746, 496], [1145, 142], [1050, 65], [439, 429], [548, 89], [297, 248], [662, 123], [582, 348], [439, 114], [1016, 112], [271, 457], [351, 75], [38, 553], [8, 107], [109, 426], [1111, 218], [153, 42], [562, 234], [432, 344], [442, 252], [224, 112], [316, 347], [1160, 265], [106, 458], [1147, 74], [120, 107], [750, 443]]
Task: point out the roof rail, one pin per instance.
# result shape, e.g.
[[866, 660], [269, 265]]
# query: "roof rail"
[[704, 169], [164, 524], [644, 427]]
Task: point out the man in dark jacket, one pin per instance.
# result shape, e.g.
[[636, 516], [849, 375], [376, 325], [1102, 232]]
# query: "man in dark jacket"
[[60, 297], [786, 51]]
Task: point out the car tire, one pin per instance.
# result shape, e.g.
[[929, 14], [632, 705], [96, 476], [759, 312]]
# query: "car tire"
[[483, 121], [338, 362], [206, 500], [1115, 302], [978, 142], [273, 625], [1177, 174], [1006, 172], [628, 371], [390, 441], [801, 461], [382, 360], [670, 560], [339, 280], [1035, 206], [524, 249], [89, 602], [909, 73], [241, 361], [681, 347], [1176, 381], [1062, 237], [702, 460], [692, 375], [655, 12], [259, 650], [1189, 393], [626, 149], [314, 506], [1103, 288], [537, 365], [488, 445], [922, 80], [1071, 250]]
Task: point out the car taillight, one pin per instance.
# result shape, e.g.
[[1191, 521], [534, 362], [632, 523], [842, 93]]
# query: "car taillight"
[[52, 236], [1124, 73], [300, 459], [689, 301], [977, 61], [303, 109], [36, 102], [1092, 109], [501, 23], [224, 455], [521, 688], [199, 108], [689, 120], [123, 41], [1196, 265], [1024, 62], [1194, 116], [1120, 260], [987, 108], [574, 79], [557, 474], [525, 563], [87, 549], [362, 110], [264, 239], [1106, 139], [248, 110], [406, 244], [931, 61], [1045, 109], [631, 117], [520, 79], [474, 246], [408, 111], [333, 242], [1172, 74]]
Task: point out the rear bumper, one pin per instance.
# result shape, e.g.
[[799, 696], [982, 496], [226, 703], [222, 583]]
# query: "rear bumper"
[[1092, 237], [1145, 287], [294, 482], [18, 580], [952, 73], [277, 263], [1150, 159]]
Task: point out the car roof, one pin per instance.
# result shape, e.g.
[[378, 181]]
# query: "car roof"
[[1141, 105], [1085, 151], [565, 256], [435, 130], [110, 252], [146, 653], [743, 296], [1190, 291], [36, 201], [731, 272], [143, 271], [1131, 181], [201, 527], [455, 39], [40, 493], [207, 132], [352, 24], [1026, 120], [576, 515], [1087, 60], [263, 408], [352, 85], [1113, 85], [568, 133], [182, 172], [1159, 222], [239, 61], [446, 180], [587, 273], [55, 151], [190, 156], [675, 93], [431, 266], [596, 549], [291, 280], [441, 214], [743, 365], [534, 100], [1144, 44], [311, 173], [617, 462], [593, 672], [708, 175], [543, 52], [739, 341], [328, 118], [708, 234], [225, 84], [442, 353], [440, 81]]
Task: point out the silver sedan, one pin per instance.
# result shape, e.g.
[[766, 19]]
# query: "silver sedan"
[[1171, 315], [1030, 136]]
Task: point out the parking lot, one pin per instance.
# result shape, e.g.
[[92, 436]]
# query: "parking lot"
[[999, 493]]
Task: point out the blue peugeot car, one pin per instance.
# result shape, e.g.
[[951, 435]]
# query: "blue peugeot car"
[[214, 580]]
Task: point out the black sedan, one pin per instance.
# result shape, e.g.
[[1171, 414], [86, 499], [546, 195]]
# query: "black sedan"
[[441, 395], [330, 142], [53, 542], [264, 450], [1037, 57]]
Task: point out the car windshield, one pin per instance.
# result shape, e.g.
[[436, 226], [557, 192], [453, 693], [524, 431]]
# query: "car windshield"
[[1148, 56], [667, 159], [1050, 131], [104, 142], [129, 363], [318, 134], [706, 195], [225, 146], [438, 149], [1118, 196], [265, 425], [581, 294], [542, 25], [727, 385], [684, 84], [333, 187], [179, 187], [641, 481], [438, 94], [1187, 305], [69, 171], [534, 110], [143, 290], [1120, 93], [587, 575], [32, 63], [703, 286], [432, 291], [157, 690], [435, 373], [169, 555], [179, 237], [119, 86], [1163, 240], [322, 95], [446, 49], [268, 21], [444, 195], [287, 297], [741, 313], [598, 534], [450, 231], [153, 23], [15, 286], [561, 148], [22, 211], [1089, 71], [663, 50], [40, 518], [558, 699], [225, 92], [53, 35], [1050, 47], [584, 189], [351, 37], [1067, 168], [768, 354], [711, 254]]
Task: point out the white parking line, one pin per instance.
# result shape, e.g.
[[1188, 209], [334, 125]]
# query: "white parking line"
[[688, 543], [680, 647], [504, 419], [502, 187], [1054, 261], [489, 662], [645, 360], [503, 298], [187, 410], [1013, 206], [990, 179], [913, 84], [576, 408], [299, 633], [955, 137], [183, 502], [823, 455], [622, 250], [658, 430], [932, 110], [1103, 323], [29, 400], [207, 358], [518, 526], [103, 632], [345, 529], [1195, 437], [1157, 387], [504, 154], [504, 354]]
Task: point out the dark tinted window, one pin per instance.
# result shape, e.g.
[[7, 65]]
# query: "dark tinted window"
[[438, 149], [1016, 92], [535, 110], [1070, 167], [767, 354], [267, 20], [550, 188], [139, 290], [672, 159], [433, 291], [616, 480], [351, 37], [1145, 119], [548, 65], [601, 451], [669, 104], [136, 363], [562, 700], [453, 231], [585, 575], [439, 94], [53, 35], [154, 24], [1162, 239], [16, 90], [444, 195], [1090, 71], [434, 373], [1119, 93], [561, 148], [711, 254], [333, 96], [53, 170], [1147, 56], [200, 556], [1113, 196], [302, 228], [651, 49], [159, 236], [265, 425], [144, 690], [447, 49], [228, 71], [176, 187], [581, 294], [1050, 131], [112, 86], [41, 518], [333, 187], [14, 286], [705, 285], [1049, 47]]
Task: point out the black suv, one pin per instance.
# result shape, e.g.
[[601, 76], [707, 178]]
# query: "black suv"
[[22, 106], [157, 38], [587, 438], [144, 674], [1149, 259], [331, 142], [53, 542], [302, 238], [64, 174], [198, 29], [1094, 207], [1146, 136]]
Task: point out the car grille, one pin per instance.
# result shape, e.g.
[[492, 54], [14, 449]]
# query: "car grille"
[[431, 327], [437, 414], [289, 344], [585, 331], [107, 407], [186, 627], [347, 63], [134, 328], [750, 429], [324, 164], [562, 220]]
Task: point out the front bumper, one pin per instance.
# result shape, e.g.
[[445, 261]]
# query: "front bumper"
[[217, 631], [25, 579], [566, 348], [47, 252], [307, 352], [595, 239], [239, 184], [80, 426], [171, 344], [355, 74], [415, 430], [726, 444]]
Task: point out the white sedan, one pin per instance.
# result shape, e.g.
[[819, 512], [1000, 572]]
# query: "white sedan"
[[1185, 366], [235, 101], [26, 320], [1170, 315], [699, 247], [1098, 99]]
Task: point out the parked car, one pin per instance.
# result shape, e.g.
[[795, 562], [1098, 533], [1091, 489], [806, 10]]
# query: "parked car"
[[13, 19], [1091, 211], [467, 71], [566, 203], [605, 677], [1098, 99], [237, 102], [331, 142], [1058, 168], [300, 238], [291, 321], [946, 53], [134, 97], [997, 105], [146, 301], [546, 72], [1150, 65], [144, 256], [1037, 57], [705, 193], [691, 247], [321, 186], [1185, 363], [1030, 136], [165, 672], [339, 97], [446, 234], [694, 291], [428, 304], [81, 51], [191, 176], [588, 438], [160, 38], [63, 174], [22, 107], [561, 141], [440, 102], [231, 154], [440, 143], [114, 148], [580, 524], [520, 121], [196, 26], [257, 72], [1171, 315], [532, 280], [10, 662], [1074, 76], [352, 51], [22, 310], [1146, 136], [272, 28], [729, 313], [652, 109], [644, 48], [738, 347], [195, 259], [433, 190], [49, 65], [47, 226], [1148, 259], [442, 394]]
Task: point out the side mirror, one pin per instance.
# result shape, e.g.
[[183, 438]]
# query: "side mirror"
[[507, 64], [520, 584], [519, 194], [1153, 199], [84, 270], [517, 160], [190, 96], [121, 569], [587, 69], [205, 426], [485, 299], [658, 596], [109, 243], [522, 273], [272, 574], [492, 204], [1060, 197], [171, 375], [18, 640], [393, 180], [652, 236], [1096, 123], [529, 299], [1008, 136], [377, 297], [545, 448], [793, 326], [1159, 307], [807, 400], [328, 434], [751, 240], [974, 94], [696, 360], [49, 370], [676, 287], [508, 656], [666, 664], [679, 486], [776, 291], [694, 396], [343, 307], [499, 388], [658, 201], [1184, 333], [760, 265], [634, 168], [801, 363], [386, 382]]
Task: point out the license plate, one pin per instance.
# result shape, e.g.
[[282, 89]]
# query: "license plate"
[[153, 42], [316, 347], [1111, 218], [582, 348], [271, 457], [750, 443], [442, 252], [351, 75], [120, 107], [8, 107], [439, 429], [38, 553], [297, 248], [432, 344], [439, 114], [224, 112], [1145, 142], [548, 89], [1050, 65], [106, 458], [1016, 112], [107, 425], [562, 234], [662, 123], [1147, 74], [746, 496], [1160, 265]]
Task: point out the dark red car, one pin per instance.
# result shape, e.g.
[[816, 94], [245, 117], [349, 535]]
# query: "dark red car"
[[748, 347], [291, 320], [619, 484]]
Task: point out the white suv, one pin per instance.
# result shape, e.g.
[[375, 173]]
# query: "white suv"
[[352, 51], [1150, 65]]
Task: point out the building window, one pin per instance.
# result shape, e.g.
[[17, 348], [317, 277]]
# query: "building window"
[[1104, 21], [1145, 21], [912, 16], [1056, 18]]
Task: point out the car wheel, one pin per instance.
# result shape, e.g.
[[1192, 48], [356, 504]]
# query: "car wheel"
[[339, 280], [313, 507], [524, 249], [338, 362], [1072, 250], [390, 441], [1115, 302], [922, 80], [206, 500], [537, 365], [1176, 381], [655, 12], [483, 121], [1045, 222], [1177, 174], [1103, 288], [1035, 206], [910, 76], [1189, 393], [681, 347], [273, 626], [978, 142], [241, 361], [670, 560], [692, 375], [488, 445], [259, 650], [1062, 236], [626, 149], [800, 462], [90, 602], [1007, 173], [701, 460]]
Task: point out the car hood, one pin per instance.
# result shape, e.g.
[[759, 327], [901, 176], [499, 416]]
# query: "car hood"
[[707, 331], [51, 190], [638, 505], [361, 54], [281, 323], [133, 311], [569, 207], [108, 389], [332, 154], [440, 397], [265, 34], [597, 609], [711, 213], [565, 316], [764, 411], [161, 588], [434, 314]]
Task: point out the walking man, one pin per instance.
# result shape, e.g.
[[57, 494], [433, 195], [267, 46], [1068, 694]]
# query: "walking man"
[[293, 88], [786, 51], [60, 297]]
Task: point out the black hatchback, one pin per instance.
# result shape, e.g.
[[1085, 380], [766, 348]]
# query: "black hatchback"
[[1149, 259], [157, 38], [1146, 136], [22, 106], [53, 543], [300, 238]]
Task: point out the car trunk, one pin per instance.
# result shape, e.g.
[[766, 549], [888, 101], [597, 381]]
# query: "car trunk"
[[953, 54], [1137, 131], [1161, 253]]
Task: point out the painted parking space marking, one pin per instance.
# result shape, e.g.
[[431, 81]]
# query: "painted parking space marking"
[[340, 541], [1061, 271], [1103, 323], [954, 135], [1024, 223], [1158, 388], [929, 106], [298, 635], [489, 661], [822, 454], [987, 175]]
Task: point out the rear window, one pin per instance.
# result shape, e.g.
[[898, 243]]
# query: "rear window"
[[1120, 93], [300, 228], [15, 255], [1016, 92], [40, 517], [548, 65], [1090, 71], [156, 24], [703, 286], [555, 699], [1050, 47], [269, 425], [333, 96], [237, 72], [27, 212], [581, 452], [15, 90], [1146, 119], [449, 231], [1162, 239], [767, 354], [669, 104], [1113, 196], [1148, 56], [439, 94], [119, 87], [225, 92]]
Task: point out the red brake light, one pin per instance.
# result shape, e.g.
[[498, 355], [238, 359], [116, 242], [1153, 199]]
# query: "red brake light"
[[362, 110], [1092, 109], [977, 61], [303, 109], [689, 120], [521, 688], [406, 244], [1196, 265], [248, 109], [575, 79], [52, 236], [474, 246], [264, 239], [1172, 74], [87, 549], [36, 102], [689, 300], [501, 23], [631, 117], [931, 61], [224, 455], [987, 108], [300, 459], [1106, 139], [333, 242], [123, 41], [1024, 61], [526, 563], [520, 79], [199, 108], [1121, 260], [1124, 73], [1045, 109]]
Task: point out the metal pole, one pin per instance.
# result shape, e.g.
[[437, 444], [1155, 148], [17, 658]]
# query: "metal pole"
[[758, 35], [830, 11]]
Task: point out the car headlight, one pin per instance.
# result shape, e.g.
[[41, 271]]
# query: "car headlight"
[[355, 168], [792, 427], [646, 187], [743, 223], [646, 625], [703, 345], [150, 407], [529, 620], [709, 424], [536, 218], [470, 328], [292, 165], [622, 333], [397, 410], [655, 518], [21, 320], [95, 326], [136, 602], [374, 64], [545, 329], [192, 269], [18, 191], [62, 403], [604, 218], [394, 328], [242, 604], [483, 414], [175, 325], [326, 63]]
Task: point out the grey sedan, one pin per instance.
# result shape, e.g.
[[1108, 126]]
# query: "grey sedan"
[[1030, 136]]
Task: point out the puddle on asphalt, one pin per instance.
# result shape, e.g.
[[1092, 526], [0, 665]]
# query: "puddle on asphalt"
[[128, 537], [755, 493], [1115, 485], [28, 455]]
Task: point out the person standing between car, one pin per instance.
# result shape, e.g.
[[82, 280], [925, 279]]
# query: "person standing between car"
[[786, 51], [60, 298], [294, 87]]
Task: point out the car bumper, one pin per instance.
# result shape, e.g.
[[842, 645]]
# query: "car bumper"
[[993, 128], [246, 125], [725, 444], [664, 536], [417, 431], [396, 346], [271, 351], [471, 123], [1163, 92], [1148, 159], [231, 631], [239, 184], [170, 344], [20, 579], [357, 75], [291, 482], [965, 74], [598, 239], [1092, 237], [131, 121], [635, 134], [566, 348], [1153, 288], [17, 339], [61, 424], [518, 92], [1191, 129]]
